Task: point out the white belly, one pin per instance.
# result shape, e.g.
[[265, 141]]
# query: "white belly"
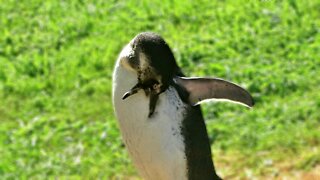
[[155, 145]]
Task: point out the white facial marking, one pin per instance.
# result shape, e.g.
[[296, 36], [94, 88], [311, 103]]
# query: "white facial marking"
[[143, 61], [124, 57]]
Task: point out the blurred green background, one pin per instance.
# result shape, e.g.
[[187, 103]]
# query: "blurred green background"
[[56, 63]]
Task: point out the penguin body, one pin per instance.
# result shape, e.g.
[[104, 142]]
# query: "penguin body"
[[159, 113], [155, 145]]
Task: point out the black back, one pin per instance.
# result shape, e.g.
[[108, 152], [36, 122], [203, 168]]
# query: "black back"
[[198, 151]]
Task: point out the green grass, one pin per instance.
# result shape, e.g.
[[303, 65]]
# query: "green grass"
[[56, 62]]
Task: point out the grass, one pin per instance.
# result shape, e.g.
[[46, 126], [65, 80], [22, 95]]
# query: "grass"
[[56, 62]]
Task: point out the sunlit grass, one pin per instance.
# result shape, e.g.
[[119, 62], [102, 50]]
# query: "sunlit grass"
[[56, 61]]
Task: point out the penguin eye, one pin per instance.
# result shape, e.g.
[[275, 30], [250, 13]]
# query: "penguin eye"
[[150, 83], [153, 85], [156, 86]]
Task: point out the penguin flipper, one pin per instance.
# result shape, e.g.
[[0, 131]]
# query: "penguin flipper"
[[201, 89]]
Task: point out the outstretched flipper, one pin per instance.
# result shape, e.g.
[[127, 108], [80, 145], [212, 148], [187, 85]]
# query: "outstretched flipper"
[[201, 89]]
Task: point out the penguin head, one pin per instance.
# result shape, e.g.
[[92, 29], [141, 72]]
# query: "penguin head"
[[151, 58]]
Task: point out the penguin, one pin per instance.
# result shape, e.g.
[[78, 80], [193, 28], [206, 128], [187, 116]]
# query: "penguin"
[[159, 114]]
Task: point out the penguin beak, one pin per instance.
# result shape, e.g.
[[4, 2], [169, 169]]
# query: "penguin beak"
[[128, 58], [128, 64]]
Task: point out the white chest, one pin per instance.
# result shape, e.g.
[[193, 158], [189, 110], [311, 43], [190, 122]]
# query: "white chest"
[[155, 145]]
